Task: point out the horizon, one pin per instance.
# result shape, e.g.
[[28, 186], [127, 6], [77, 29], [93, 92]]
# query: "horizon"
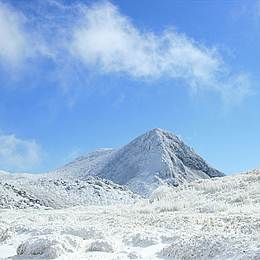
[[77, 76]]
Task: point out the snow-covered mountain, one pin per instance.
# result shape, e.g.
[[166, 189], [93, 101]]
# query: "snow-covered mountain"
[[154, 157], [32, 191], [106, 176], [89, 164]]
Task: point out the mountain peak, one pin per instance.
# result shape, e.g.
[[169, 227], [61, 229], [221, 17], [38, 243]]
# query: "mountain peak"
[[162, 133], [153, 157], [156, 138], [158, 131]]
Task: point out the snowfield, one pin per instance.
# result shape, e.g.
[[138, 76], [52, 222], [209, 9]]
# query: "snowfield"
[[206, 219]]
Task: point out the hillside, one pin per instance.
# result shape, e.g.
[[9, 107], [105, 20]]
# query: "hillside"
[[29, 191]]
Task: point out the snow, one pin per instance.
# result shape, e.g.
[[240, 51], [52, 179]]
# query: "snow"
[[42, 192], [205, 219], [140, 240], [86, 209], [49, 246], [154, 157], [82, 166], [101, 245], [5, 233]]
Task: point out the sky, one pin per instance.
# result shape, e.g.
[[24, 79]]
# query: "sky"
[[80, 75]]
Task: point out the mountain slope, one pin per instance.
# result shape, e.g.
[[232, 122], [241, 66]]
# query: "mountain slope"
[[154, 157], [86, 165], [25, 191]]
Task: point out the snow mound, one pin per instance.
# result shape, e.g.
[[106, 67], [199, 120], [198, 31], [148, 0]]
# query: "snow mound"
[[140, 240], [50, 246], [101, 246]]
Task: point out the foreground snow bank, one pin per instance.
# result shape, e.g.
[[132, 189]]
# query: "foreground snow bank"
[[50, 246], [211, 219]]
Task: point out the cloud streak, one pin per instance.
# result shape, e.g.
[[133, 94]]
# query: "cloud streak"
[[108, 41], [100, 38], [18, 154]]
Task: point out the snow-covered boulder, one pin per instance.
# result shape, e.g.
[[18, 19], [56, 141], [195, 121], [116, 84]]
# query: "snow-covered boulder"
[[50, 246]]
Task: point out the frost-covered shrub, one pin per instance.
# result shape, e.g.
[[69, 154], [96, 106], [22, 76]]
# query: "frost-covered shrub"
[[140, 240], [160, 193], [5, 233], [133, 255], [50, 246], [212, 207], [101, 246], [168, 205], [232, 194], [199, 248], [212, 186], [84, 232], [142, 206]]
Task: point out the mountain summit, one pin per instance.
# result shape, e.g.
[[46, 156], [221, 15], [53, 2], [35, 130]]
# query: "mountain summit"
[[152, 158]]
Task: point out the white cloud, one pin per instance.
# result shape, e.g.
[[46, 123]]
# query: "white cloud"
[[107, 40], [23, 38], [100, 38], [18, 154], [13, 42]]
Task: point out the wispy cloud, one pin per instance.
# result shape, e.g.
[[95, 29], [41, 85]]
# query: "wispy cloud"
[[20, 40], [108, 41], [101, 39], [249, 13], [18, 154], [13, 42]]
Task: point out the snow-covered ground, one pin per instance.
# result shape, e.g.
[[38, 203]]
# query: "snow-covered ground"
[[216, 218], [22, 191]]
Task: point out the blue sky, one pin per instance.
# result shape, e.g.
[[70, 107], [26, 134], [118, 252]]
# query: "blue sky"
[[79, 75]]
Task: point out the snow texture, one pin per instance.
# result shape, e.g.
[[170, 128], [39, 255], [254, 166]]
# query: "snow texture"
[[205, 219], [40, 192], [50, 246], [101, 246]]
